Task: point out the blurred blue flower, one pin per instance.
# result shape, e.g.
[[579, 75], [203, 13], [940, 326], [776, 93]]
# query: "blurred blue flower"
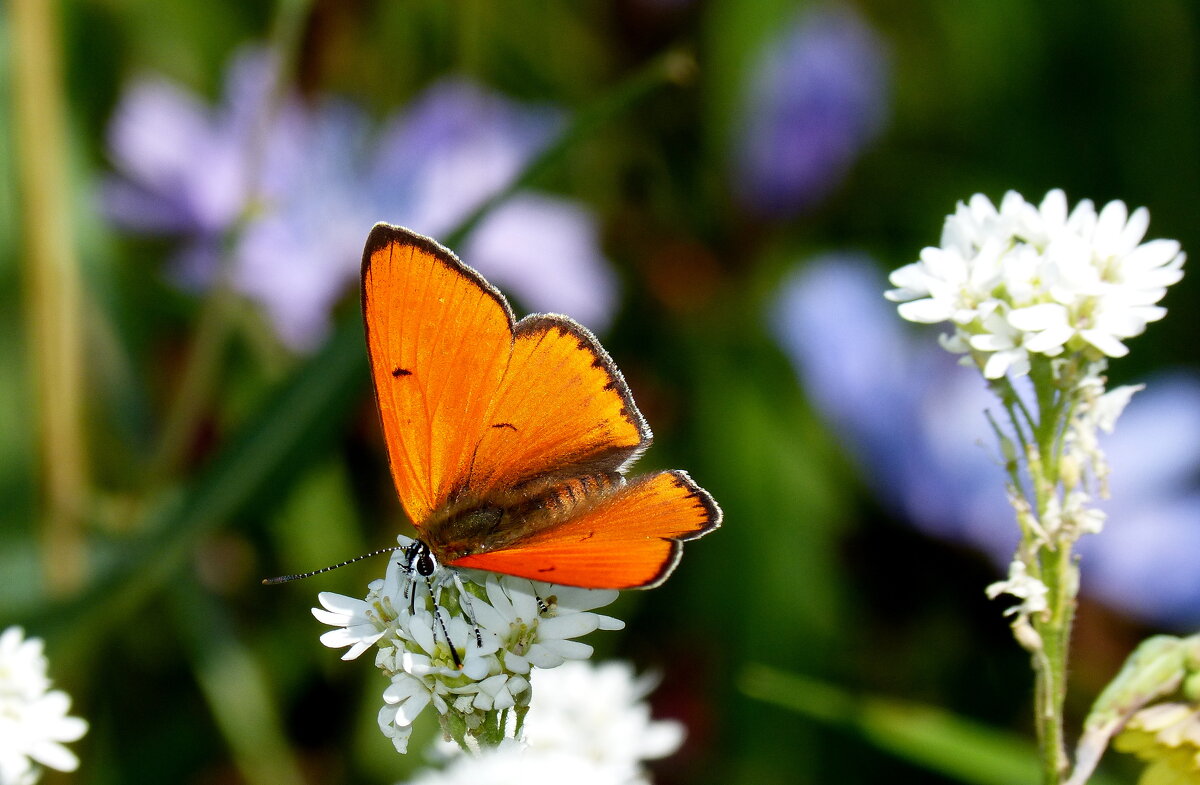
[[912, 419], [815, 98], [325, 173]]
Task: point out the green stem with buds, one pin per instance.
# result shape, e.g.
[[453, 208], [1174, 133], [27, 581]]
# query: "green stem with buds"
[[1046, 554], [1050, 664]]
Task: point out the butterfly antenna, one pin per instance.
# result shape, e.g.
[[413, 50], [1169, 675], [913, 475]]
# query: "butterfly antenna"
[[286, 578]]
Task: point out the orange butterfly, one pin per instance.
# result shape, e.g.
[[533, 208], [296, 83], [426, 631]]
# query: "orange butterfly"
[[508, 440]]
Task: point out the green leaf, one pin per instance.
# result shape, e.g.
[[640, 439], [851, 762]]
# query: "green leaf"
[[293, 426], [236, 688], [923, 735]]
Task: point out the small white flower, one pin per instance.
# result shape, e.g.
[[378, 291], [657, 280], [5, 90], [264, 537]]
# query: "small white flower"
[[1046, 325], [1021, 280], [599, 711], [1097, 411], [1108, 407], [462, 642], [591, 720], [1081, 516], [514, 764], [34, 723], [1026, 588], [1003, 345], [359, 626], [393, 727], [535, 621]]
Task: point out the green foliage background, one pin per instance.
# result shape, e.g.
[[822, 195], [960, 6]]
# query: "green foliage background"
[[191, 672]]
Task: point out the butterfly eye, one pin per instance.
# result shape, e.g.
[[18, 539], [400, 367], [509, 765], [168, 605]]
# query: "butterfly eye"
[[425, 564]]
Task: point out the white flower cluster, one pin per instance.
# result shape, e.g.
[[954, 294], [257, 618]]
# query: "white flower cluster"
[[467, 656], [1022, 280], [587, 724], [33, 718]]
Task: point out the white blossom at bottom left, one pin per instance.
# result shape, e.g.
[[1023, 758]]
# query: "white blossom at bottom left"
[[33, 718]]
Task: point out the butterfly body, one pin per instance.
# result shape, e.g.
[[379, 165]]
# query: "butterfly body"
[[480, 527], [508, 440]]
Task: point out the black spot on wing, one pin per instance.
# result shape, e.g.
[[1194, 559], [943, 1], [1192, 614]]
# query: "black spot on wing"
[[547, 569], [504, 425], [398, 372]]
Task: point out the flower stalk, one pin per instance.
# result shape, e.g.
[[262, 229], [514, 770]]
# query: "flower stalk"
[[54, 301], [1039, 299]]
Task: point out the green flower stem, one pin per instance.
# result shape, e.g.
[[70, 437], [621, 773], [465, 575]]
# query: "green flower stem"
[[199, 379], [201, 372], [53, 296], [1050, 664], [236, 687], [1055, 567]]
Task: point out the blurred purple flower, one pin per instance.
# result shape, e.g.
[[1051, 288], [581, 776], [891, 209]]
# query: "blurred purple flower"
[[327, 174], [816, 97], [913, 421], [185, 165], [532, 226]]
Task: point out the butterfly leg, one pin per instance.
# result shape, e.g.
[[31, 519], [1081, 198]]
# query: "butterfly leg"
[[410, 585], [437, 612], [465, 598]]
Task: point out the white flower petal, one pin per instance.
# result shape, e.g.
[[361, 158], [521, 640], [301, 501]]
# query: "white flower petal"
[[1038, 317], [407, 711], [54, 755], [608, 622], [1105, 342], [576, 599], [1110, 225], [498, 598], [987, 342], [421, 629], [34, 720], [523, 597], [516, 663], [570, 626], [927, 311], [571, 650], [1135, 230], [541, 656]]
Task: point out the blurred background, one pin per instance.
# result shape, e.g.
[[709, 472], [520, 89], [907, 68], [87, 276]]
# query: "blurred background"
[[717, 189]]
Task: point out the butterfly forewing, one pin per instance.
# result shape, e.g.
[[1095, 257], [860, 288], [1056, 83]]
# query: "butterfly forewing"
[[439, 338], [562, 409]]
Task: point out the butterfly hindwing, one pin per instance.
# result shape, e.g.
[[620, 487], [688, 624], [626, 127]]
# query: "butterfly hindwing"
[[629, 538]]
